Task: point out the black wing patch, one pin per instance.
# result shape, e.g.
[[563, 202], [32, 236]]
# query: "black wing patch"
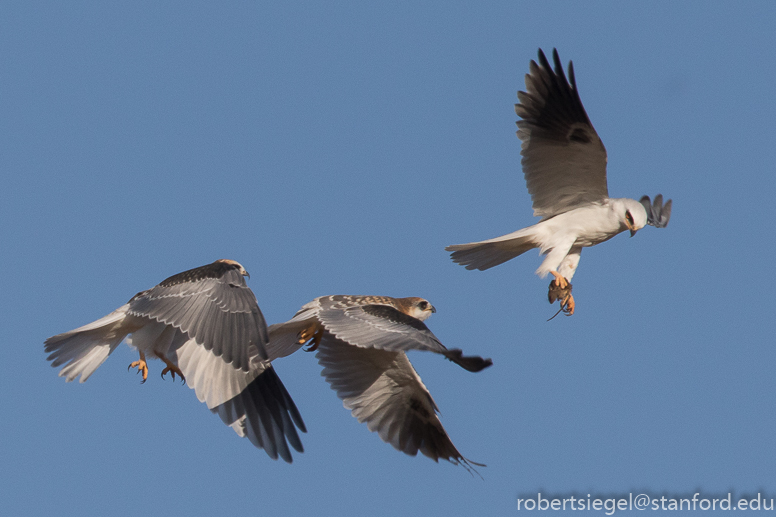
[[268, 415], [560, 106]]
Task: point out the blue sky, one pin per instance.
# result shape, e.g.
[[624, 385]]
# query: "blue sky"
[[337, 148]]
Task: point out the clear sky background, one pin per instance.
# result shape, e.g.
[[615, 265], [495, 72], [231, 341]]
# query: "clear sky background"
[[337, 148]]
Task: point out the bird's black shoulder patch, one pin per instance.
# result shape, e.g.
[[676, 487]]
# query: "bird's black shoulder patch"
[[391, 314], [417, 406], [214, 270], [579, 135]]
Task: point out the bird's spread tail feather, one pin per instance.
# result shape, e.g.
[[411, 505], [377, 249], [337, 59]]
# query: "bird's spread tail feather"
[[284, 338], [486, 254], [84, 349]]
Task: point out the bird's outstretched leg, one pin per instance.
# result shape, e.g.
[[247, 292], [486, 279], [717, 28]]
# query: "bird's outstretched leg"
[[314, 333], [560, 289], [171, 368], [141, 366]]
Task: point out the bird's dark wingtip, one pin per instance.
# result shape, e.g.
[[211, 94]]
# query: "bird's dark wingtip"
[[471, 363], [658, 214]]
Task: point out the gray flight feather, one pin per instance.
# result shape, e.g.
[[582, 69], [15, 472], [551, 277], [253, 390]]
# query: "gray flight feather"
[[383, 390], [658, 214], [207, 322], [265, 413], [564, 160], [375, 325], [219, 311]]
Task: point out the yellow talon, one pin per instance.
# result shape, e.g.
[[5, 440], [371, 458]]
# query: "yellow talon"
[[560, 280], [314, 333], [141, 366]]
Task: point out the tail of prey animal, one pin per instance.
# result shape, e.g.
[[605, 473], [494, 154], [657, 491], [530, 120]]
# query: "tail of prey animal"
[[486, 254]]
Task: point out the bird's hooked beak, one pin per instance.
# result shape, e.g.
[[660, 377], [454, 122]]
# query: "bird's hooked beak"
[[631, 227], [431, 308]]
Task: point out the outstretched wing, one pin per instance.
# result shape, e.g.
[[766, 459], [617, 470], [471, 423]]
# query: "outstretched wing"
[[383, 390], [379, 326], [214, 306], [255, 403], [361, 322], [564, 160], [265, 413]]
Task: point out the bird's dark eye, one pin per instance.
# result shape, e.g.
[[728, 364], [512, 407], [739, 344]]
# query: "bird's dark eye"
[[423, 305], [629, 218]]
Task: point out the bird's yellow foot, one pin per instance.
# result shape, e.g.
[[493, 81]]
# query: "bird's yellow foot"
[[560, 280], [171, 368], [314, 333], [141, 366]]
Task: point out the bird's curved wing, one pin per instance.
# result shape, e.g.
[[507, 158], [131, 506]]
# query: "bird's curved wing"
[[382, 389], [370, 322], [214, 306], [254, 403], [379, 326], [265, 413], [564, 160]]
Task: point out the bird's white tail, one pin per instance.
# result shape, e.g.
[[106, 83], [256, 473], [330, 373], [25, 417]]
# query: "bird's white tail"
[[84, 349], [486, 254], [284, 338]]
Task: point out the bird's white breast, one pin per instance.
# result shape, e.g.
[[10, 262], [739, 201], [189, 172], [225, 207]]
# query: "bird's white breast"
[[590, 225]]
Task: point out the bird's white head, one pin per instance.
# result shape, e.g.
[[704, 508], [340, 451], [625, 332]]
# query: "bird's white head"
[[631, 214], [416, 307]]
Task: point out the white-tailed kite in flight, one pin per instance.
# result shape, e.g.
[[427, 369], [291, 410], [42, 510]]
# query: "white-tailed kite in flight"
[[206, 326], [564, 162], [361, 343]]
